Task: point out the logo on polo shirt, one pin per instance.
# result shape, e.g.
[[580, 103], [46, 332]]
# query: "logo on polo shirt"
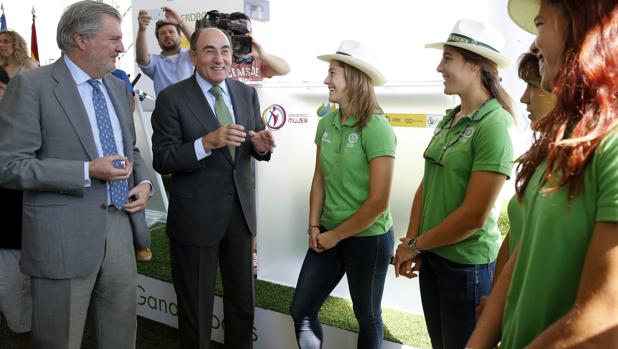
[[468, 132], [352, 139], [325, 138]]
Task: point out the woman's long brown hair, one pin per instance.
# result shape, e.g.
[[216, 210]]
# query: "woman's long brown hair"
[[362, 98], [587, 98]]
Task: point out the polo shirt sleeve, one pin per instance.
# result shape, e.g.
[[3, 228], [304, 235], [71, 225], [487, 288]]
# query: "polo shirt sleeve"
[[606, 168], [320, 131], [378, 138], [493, 148], [149, 69]]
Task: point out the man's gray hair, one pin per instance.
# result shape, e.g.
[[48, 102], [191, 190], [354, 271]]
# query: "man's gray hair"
[[83, 17]]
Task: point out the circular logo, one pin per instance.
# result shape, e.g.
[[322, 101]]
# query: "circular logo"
[[468, 132], [352, 138], [274, 117]]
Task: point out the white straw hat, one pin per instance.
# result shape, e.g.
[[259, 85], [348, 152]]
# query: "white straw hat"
[[522, 12], [477, 37], [360, 57]]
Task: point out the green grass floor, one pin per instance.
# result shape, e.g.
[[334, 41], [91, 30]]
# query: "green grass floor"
[[399, 327]]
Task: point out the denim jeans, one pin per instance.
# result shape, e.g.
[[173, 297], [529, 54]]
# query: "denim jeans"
[[365, 261], [450, 293]]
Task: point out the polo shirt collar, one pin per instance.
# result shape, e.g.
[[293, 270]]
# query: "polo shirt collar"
[[351, 121], [487, 108]]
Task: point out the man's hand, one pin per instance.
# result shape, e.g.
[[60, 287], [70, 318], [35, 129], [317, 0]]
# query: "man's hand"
[[143, 19], [172, 16], [228, 135], [103, 169], [138, 198], [262, 141]]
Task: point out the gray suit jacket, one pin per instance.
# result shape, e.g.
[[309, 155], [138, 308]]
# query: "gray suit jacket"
[[202, 192], [45, 138]]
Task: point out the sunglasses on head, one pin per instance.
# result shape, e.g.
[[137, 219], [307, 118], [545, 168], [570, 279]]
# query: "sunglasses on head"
[[240, 60]]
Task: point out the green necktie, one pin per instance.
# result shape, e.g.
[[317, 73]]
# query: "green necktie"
[[223, 113]]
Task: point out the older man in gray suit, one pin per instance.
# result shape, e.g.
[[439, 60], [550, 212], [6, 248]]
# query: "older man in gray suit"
[[67, 140], [207, 129]]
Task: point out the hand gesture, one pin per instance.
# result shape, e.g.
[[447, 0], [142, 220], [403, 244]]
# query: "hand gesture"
[[171, 15], [403, 255], [228, 135], [313, 239], [328, 240], [143, 19], [138, 198], [103, 169], [262, 141]]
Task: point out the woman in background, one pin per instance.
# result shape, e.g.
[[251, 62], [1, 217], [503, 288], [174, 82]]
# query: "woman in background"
[[350, 225], [452, 236], [14, 55], [559, 288]]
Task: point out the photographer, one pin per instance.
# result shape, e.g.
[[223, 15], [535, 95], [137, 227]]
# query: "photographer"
[[250, 63], [258, 64], [173, 63]]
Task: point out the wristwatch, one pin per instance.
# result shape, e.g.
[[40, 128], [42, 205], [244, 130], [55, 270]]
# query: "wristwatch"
[[412, 246]]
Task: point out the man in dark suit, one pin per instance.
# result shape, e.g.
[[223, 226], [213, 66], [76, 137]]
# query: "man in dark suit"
[[206, 130], [67, 140]]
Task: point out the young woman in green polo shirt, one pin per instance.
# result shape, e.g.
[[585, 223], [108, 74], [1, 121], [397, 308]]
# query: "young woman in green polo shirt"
[[452, 236], [559, 288], [538, 104], [350, 225]]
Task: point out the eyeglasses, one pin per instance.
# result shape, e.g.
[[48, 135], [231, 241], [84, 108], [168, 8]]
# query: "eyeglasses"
[[240, 60], [431, 158]]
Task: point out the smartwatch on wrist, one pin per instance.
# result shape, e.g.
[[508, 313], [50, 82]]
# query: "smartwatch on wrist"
[[412, 246]]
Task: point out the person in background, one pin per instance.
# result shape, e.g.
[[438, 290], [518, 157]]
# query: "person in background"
[[350, 224], [558, 289], [14, 54], [67, 141], [452, 236], [172, 64], [212, 210], [141, 238], [258, 64], [538, 104], [15, 295]]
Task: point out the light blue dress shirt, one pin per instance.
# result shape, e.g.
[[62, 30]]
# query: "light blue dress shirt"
[[165, 71]]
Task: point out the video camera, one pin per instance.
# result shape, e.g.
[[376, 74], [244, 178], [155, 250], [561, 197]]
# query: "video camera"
[[236, 28]]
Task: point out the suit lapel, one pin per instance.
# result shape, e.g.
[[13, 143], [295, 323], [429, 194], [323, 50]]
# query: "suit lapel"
[[240, 112], [202, 112], [70, 101]]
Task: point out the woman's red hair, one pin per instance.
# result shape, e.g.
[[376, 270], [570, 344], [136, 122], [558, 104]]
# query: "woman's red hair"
[[587, 98]]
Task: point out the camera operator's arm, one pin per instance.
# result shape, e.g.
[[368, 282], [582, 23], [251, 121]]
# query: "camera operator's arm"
[[141, 44], [173, 17], [272, 65]]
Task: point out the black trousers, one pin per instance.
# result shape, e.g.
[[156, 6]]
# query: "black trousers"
[[194, 272]]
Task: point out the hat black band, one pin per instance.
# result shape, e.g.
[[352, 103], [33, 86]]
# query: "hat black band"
[[342, 53], [454, 37]]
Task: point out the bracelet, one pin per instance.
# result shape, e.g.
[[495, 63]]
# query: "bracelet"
[[311, 227]]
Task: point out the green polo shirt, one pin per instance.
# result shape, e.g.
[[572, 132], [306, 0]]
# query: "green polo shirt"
[[477, 142], [554, 244], [515, 211], [345, 153]]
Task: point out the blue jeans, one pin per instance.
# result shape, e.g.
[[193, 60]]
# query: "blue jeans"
[[450, 293], [365, 261]]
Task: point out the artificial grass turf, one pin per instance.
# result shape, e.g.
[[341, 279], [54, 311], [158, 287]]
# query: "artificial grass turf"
[[399, 327]]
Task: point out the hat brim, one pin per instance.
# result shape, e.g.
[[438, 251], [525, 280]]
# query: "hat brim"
[[374, 74], [522, 12], [501, 61]]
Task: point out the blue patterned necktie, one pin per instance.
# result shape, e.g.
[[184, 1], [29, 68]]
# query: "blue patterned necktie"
[[223, 113], [119, 189]]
